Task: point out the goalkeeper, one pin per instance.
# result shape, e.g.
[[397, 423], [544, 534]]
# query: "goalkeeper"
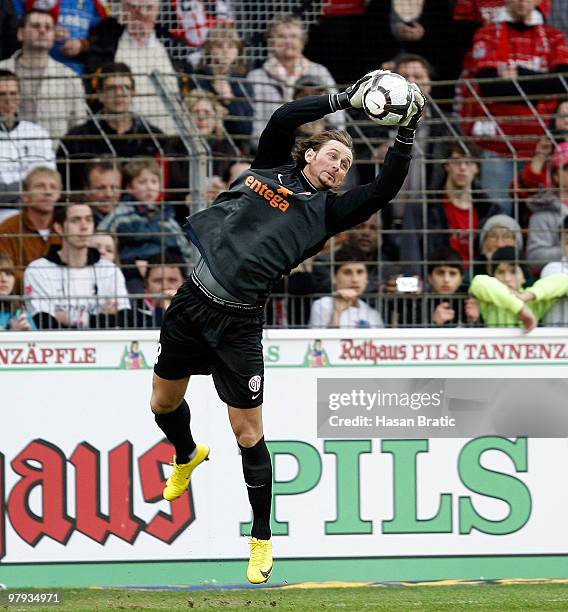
[[274, 216]]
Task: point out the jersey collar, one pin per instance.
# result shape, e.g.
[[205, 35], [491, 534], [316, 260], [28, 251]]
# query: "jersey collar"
[[307, 181]]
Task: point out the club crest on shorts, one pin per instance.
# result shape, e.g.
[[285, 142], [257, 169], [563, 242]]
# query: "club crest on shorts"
[[254, 383]]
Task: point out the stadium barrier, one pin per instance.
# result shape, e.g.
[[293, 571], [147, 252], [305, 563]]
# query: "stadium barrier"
[[82, 466]]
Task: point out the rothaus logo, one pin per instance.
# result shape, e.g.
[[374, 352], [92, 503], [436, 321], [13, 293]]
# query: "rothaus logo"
[[276, 199]]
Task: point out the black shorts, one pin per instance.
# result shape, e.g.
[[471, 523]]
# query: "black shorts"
[[198, 337]]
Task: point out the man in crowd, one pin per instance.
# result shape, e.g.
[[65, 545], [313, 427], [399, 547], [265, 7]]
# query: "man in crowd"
[[73, 286], [116, 131], [164, 276], [102, 183], [28, 235], [23, 144], [52, 94], [138, 41]]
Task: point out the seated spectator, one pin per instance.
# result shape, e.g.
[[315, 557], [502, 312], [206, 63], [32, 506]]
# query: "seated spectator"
[[445, 281], [115, 131], [221, 72], [503, 299], [73, 22], [28, 235], [207, 115], [273, 83], [106, 245], [535, 175], [367, 239], [453, 216], [345, 308], [51, 94], [558, 314], [23, 144], [548, 212], [146, 48], [519, 44], [73, 286], [498, 231], [102, 183], [143, 224], [164, 276], [12, 316]]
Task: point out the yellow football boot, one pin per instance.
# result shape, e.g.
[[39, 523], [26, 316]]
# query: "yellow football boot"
[[260, 564], [178, 483]]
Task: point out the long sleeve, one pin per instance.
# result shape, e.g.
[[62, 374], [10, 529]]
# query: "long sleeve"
[[357, 205], [489, 289], [278, 138], [550, 287]]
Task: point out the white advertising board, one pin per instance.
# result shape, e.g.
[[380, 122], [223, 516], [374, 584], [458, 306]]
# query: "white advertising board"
[[82, 461]]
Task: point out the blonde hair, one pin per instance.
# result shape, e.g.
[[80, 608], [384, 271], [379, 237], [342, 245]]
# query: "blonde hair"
[[41, 170], [219, 110]]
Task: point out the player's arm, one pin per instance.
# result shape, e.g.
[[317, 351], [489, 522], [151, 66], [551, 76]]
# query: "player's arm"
[[278, 137], [357, 205]]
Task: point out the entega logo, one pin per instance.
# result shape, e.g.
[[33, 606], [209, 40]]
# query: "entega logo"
[[275, 200]]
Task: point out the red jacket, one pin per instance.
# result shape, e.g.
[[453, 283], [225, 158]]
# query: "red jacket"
[[533, 49], [487, 10]]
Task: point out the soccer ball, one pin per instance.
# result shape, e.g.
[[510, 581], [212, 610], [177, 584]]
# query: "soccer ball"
[[388, 99]]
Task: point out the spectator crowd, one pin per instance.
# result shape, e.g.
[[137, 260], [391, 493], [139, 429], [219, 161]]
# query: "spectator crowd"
[[114, 127]]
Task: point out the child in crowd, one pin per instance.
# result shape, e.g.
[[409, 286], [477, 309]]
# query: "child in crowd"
[[503, 300], [446, 281], [144, 225], [12, 316], [106, 245], [346, 308]]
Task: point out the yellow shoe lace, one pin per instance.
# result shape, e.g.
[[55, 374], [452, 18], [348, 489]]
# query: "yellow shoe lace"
[[258, 552]]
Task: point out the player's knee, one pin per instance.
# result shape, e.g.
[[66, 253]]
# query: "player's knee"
[[248, 437], [162, 405]]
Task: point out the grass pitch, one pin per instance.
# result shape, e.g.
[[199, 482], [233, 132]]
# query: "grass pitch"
[[463, 597]]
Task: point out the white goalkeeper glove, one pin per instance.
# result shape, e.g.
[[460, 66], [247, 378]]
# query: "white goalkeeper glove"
[[352, 97], [418, 106]]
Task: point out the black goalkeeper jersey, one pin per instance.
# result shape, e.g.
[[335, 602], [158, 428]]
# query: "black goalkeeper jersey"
[[272, 218]]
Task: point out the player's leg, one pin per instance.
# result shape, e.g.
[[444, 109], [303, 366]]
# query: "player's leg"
[[173, 417], [257, 471]]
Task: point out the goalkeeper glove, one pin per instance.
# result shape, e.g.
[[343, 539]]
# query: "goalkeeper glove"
[[352, 97], [417, 108]]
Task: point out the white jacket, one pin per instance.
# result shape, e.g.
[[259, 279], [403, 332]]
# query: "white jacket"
[[22, 148], [52, 286], [60, 98]]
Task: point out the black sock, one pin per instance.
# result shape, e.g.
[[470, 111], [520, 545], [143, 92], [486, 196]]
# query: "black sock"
[[257, 470], [176, 427]]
